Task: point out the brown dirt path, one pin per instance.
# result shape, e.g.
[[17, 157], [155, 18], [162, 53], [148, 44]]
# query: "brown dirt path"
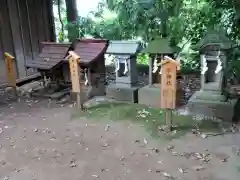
[[42, 143]]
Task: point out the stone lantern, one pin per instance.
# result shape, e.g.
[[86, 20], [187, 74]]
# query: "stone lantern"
[[213, 49]]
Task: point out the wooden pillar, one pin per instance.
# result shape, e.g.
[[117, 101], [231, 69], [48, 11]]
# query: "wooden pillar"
[[9, 62]]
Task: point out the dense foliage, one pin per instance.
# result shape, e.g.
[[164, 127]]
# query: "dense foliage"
[[184, 21]]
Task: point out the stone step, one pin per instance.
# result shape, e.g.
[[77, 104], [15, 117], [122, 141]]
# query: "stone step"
[[209, 96]]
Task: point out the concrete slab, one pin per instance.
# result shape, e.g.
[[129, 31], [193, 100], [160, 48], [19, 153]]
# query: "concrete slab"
[[123, 93]]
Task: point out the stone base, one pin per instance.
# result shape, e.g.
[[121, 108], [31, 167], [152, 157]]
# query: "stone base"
[[211, 103], [89, 92], [50, 93], [207, 96], [122, 93], [149, 95], [73, 96]]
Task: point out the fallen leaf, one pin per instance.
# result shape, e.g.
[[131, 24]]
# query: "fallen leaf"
[[181, 170], [72, 163], [158, 171], [137, 141], [174, 153], [204, 136], [198, 168], [169, 148], [122, 158], [145, 141], [165, 174], [107, 127], [105, 145], [17, 170]]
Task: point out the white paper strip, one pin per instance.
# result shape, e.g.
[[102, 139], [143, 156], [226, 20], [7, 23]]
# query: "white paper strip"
[[204, 65], [86, 77], [126, 67]]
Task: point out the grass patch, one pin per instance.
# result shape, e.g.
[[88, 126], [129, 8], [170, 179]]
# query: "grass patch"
[[151, 118]]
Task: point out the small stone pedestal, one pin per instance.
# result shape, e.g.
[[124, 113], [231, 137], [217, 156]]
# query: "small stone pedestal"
[[123, 93], [126, 86], [150, 95]]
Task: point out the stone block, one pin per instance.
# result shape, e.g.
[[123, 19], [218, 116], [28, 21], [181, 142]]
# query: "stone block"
[[211, 104], [122, 93], [207, 96], [149, 95]]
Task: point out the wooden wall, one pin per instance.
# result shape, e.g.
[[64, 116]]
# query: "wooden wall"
[[23, 25]]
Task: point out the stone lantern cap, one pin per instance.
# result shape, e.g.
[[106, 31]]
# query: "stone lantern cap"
[[160, 46], [214, 39]]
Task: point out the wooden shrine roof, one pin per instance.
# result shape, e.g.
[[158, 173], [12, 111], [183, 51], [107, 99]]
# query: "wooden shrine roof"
[[90, 50], [51, 56]]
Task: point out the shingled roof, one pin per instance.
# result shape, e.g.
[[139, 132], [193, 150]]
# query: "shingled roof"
[[50, 57], [90, 50]]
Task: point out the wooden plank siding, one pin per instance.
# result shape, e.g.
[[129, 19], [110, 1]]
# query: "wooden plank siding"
[[23, 25]]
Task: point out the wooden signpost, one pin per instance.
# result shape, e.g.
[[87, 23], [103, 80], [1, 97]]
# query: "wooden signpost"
[[168, 87], [11, 76], [74, 60]]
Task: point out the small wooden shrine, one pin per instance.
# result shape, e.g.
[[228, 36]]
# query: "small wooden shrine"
[[92, 65], [125, 55], [157, 49], [48, 63], [54, 67]]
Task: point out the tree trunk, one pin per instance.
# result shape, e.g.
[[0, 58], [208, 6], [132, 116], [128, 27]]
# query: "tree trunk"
[[72, 16], [61, 37]]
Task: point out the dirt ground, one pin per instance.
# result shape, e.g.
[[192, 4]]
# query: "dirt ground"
[[43, 143]]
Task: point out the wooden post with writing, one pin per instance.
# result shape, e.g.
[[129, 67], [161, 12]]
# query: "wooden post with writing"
[[169, 87], [74, 60], [11, 76]]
